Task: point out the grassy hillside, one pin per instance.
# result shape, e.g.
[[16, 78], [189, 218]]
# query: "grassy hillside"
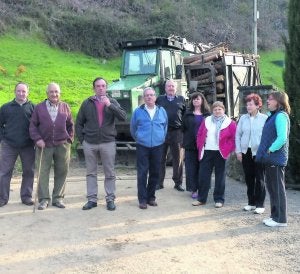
[[29, 60], [271, 68]]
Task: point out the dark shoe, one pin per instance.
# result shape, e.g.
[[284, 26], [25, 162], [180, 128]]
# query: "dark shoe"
[[89, 205], [143, 206], [2, 203], [110, 205], [179, 188], [158, 187], [59, 204], [43, 205], [28, 202], [152, 203]]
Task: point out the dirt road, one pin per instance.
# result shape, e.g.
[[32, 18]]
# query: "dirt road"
[[174, 237]]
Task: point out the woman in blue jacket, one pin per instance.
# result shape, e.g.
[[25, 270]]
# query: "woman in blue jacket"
[[273, 153]]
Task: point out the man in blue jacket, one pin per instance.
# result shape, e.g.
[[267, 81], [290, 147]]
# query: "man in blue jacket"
[[148, 127]]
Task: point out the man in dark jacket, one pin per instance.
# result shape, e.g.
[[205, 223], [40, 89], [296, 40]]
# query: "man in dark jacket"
[[175, 108], [15, 141], [96, 131]]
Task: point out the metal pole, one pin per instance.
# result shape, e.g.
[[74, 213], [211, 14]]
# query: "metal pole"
[[255, 17]]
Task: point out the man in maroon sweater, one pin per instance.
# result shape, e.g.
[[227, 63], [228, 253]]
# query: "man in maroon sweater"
[[52, 130]]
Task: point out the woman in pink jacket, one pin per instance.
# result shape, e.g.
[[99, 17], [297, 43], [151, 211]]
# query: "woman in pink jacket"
[[215, 142]]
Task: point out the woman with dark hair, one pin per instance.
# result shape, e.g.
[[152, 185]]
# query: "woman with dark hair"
[[273, 153], [247, 140], [193, 117]]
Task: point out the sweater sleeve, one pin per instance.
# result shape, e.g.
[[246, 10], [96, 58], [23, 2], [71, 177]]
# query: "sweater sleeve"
[[1, 123], [281, 124], [70, 124], [133, 125], [118, 111], [79, 124], [34, 124], [238, 135]]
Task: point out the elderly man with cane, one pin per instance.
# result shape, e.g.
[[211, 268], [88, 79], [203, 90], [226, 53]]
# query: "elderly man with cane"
[[52, 130]]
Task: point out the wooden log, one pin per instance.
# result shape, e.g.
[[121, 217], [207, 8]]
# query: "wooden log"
[[197, 62], [220, 86], [205, 81], [203, 76], [191, 59], [220, 46], [202, 56], [218, 67], [210, 58], [222, 95], [220, 78]]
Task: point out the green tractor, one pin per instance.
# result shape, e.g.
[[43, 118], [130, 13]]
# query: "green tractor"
[[148, 62]]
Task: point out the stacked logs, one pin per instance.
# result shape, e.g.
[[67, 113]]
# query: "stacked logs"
[[208, 69], [209, 72]]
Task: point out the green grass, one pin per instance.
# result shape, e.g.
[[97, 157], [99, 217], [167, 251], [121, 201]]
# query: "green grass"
[[74, 72], [272, 74]]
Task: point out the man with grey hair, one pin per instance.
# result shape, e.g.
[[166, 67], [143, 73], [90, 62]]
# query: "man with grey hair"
[[175, 108], [15, 141], [148, 128], [52, 130]]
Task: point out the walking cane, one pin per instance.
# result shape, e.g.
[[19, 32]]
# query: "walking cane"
[[38, 178]]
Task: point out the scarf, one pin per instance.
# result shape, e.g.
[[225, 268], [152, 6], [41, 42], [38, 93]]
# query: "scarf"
[[218, 121]]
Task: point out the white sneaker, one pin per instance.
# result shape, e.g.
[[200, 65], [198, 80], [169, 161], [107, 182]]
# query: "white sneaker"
[[259, 210], [249, 207], [218, 205], [267, 220], [272, 223]]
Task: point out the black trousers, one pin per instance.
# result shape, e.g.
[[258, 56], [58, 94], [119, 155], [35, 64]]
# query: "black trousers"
[[174, 141], [276, 187], [212, 159], [254, 177]]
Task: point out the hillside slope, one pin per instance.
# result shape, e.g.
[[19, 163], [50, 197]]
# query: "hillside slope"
[[96, 27], [34, 62]]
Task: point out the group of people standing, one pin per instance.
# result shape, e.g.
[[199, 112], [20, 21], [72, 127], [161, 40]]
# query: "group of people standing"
[[48, 127], [262, 147], [199, 136], [208, 137], [44, 134]]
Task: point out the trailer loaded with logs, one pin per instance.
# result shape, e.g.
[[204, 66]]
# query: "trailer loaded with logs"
[[218, 72]]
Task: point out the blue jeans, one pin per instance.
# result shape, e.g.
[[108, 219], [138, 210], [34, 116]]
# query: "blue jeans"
[[212, 159], [148, 161], [191, 170]]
